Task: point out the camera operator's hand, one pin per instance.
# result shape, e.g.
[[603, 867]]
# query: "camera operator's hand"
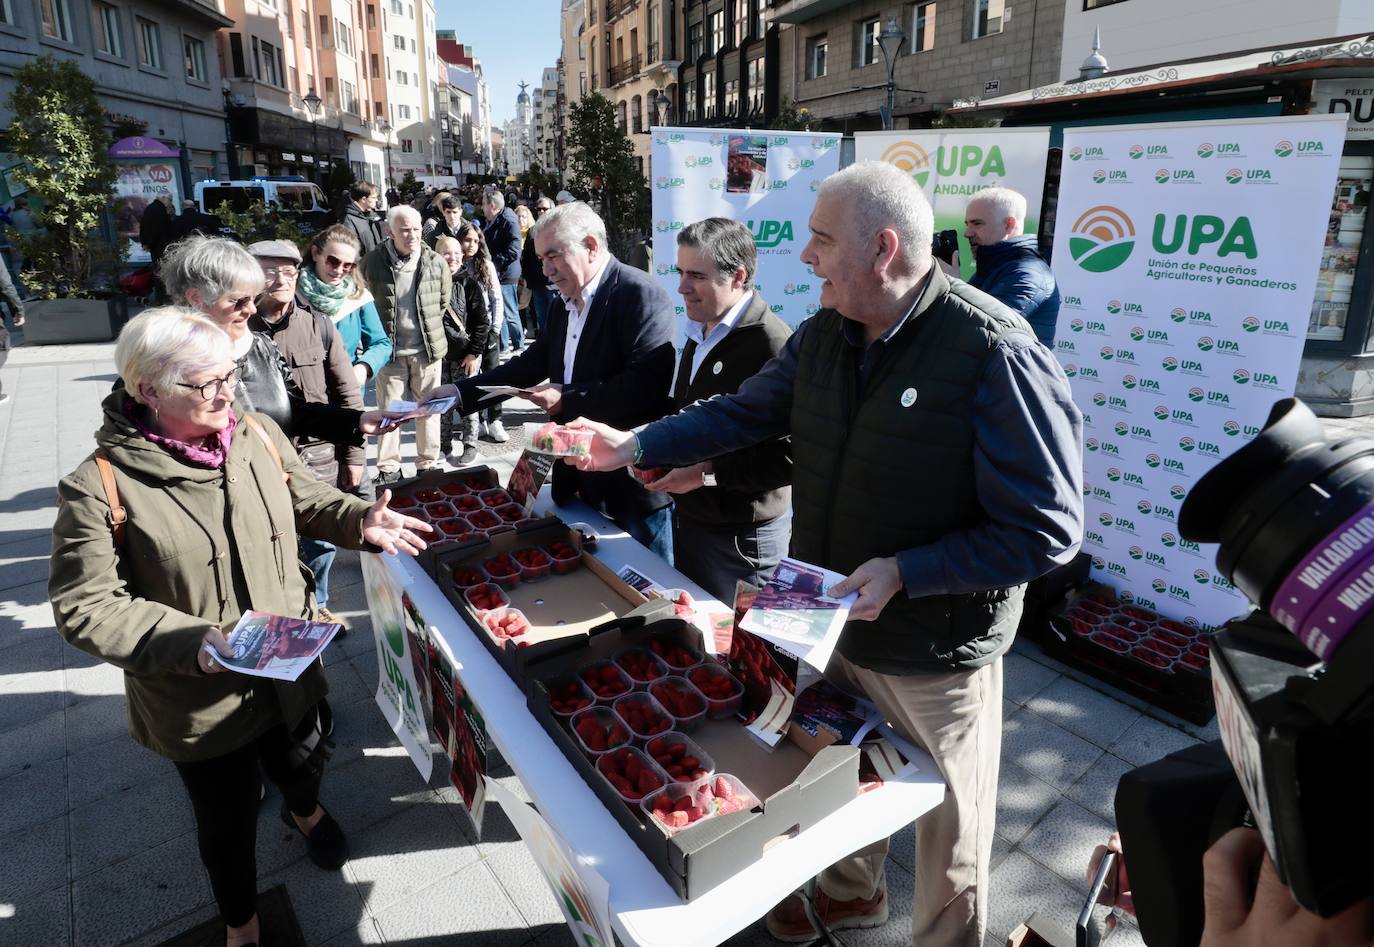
[[1117, 891], [1237, 917]]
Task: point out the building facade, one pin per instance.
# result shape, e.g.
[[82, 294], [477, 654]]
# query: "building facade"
[[154, 65], [572, 69], [473, 149], [547, 121], [730, 55], [409, 56], [631, 59]]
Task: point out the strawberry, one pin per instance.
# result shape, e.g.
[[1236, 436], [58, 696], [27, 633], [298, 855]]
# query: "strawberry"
[[677, 820], [467, 504], [648, 781], [663, 804], [567, 697], [467, 577], [453, 489], [438, 511], [723, 788], [428, 495], [477, 483], [494, 498], [622, 784], [510, 512]]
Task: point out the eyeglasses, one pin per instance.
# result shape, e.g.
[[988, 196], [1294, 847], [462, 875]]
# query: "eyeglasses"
[[284, 272], [240, 302], [338, 264], [210, 390]]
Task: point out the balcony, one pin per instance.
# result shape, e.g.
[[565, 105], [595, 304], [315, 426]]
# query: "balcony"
[[615, 8], [624, 71]]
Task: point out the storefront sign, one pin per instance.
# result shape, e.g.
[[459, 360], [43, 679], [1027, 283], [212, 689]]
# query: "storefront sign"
[[765, 180], [953, 166], [400, 635], [1350, 97], [1186, 257]]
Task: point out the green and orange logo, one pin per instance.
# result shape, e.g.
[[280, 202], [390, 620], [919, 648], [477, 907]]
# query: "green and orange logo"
[[1283, 148], [1205, 150], [1162, 176], [1102, 239], [1234, 176], [911, 158]]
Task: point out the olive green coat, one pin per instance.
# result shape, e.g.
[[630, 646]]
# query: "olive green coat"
[[202, 546]]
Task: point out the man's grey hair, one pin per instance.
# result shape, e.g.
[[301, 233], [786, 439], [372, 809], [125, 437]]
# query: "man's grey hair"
[[495, 198], [1002, 202], [164, 345], [728, 243], [399, 211], [571, 224], [880, 196], [213, 266]]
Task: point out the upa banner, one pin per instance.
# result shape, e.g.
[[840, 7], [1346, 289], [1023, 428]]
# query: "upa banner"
[[1186, 256], [952, 166], [764, 179], [401, 637]]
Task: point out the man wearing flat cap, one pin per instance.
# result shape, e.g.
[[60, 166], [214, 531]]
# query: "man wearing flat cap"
[[321, 367]]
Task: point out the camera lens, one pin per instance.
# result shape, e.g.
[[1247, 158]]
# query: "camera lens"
[[1294, 516]]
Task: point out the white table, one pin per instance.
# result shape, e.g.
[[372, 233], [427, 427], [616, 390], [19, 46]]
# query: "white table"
[[644, 909]]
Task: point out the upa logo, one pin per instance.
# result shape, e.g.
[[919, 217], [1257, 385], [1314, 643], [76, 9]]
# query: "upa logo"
[[1133, 480], [1181, 416], [1231, 428], [1114, 306], [1162, 176], [1205, 150], [1091, 444], [1066, 346], [1234, 176], [1070, 370], [698, 161], [1179, 593], [1178, 491], [1196, 394], [1178, 314], [715, 184], [1170, 364], [1259, 174], [1174, 464], [1187, 444], [1101, 239], [777, 184], [1241, 376], [1131, 382], [770, 233], [1125, 357], [797, 164], [1160, 586], [1152, 461], [1209, 448], [1100, 399], [1075, 153], [1204, 230], [1094, 537], [1099, 176], [796, 289], [1168, 540], [1122, 428], [665, 269], [1283, 148], [1099, 563], [911, 158], [1110, 450], [1137, 334], [1087, 371], [1161, 412], [1135, 552], [1144, 507], [812, 308], [1113, 474], [1205, 343], [1076, 325], [1156, 559], [1136, 151], [1158, 337], [1107, 353], [775, 308], [1105, 495], [1277, 327], [1105, 519], [1250, 324], [1128, 382], [1265, 380], [1072, 302], [1116, 568], [1202, 576]]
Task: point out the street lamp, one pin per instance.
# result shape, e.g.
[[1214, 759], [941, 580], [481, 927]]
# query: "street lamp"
[[891, 41], [384, 127], [312, 103], [664, 105]]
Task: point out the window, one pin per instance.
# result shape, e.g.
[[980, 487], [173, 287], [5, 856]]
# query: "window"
[[866, 49], [708, 95], [923, 27], [295, 79], [305, 28], [350, 97], [343, 37], [1341, 254], [105, 29], [375, 71], [395, 7], [149, 44], [407, 146], [376, 108], [653, 33], [761, 27], [265, 62], [637, 115], [193, 51], [57, 20], [6, 14], [717, 32], [399, 42], [757, 81], [1094, 4], [987, 17], [693, 42], [371, 17], [403, 112], [412, 46], [817, 49], [731, 97], [741, 21], [402, 78]]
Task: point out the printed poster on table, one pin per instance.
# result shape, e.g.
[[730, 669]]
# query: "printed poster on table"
[[766, 180], [952, 166], [460, 729], [1186, 256], [399, 695]]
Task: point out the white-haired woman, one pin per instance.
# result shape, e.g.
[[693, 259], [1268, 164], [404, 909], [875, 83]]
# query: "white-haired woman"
[[222, 280], [184, 518]]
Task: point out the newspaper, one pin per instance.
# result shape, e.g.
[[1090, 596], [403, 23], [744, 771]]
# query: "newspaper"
[[793, 611], [275, 646]]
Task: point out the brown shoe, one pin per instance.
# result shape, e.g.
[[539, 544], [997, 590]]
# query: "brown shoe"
[[788, 923], [329, 618]]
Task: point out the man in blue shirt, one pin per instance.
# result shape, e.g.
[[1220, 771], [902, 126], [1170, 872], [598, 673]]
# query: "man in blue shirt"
[[937, 464], [1008, 264]]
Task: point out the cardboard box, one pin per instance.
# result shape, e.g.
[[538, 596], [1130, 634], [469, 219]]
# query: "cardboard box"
[[562, 609], [795, 789], [436, 479]]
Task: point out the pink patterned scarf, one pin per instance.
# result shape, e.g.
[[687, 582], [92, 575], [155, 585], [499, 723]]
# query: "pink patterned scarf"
[[210, 451]]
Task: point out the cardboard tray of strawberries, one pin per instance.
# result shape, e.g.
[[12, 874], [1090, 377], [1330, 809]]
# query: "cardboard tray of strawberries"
[[461, 506], [699, 795], [531, 591]]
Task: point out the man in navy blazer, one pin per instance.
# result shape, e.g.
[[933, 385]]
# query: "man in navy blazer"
[[607, 355]]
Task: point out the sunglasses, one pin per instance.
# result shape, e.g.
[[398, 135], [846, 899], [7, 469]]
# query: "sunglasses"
[[338, 264]]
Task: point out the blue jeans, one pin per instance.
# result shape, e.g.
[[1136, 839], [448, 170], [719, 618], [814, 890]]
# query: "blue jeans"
[[512, 332], [319, 556], [541, 300], [654, 531]]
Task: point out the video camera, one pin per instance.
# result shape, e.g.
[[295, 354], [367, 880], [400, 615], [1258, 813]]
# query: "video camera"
[[945, 244], [1294, 516]]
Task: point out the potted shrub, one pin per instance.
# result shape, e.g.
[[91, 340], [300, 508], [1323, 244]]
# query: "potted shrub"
[[59, 131]]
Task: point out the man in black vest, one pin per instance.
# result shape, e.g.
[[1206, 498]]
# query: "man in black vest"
[[936, 454], [732, 517]]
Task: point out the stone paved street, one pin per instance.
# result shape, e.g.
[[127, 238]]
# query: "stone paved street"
[[98, 839]]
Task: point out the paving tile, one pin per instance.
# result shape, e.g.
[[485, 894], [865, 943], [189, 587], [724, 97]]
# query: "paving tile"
[[326, 903], [1000, 849], [519, 876], [1096, 789], [100, 679], [18, 568], [21, 707], [901, 847], [107, 768], [175, 927], [1022, 800], [149, 890], [901, 887], [34, 742], [364, 933], [33, 795], [126, 823], [95, 721], [358, 727], [363, 792], [346, 686], [35, 861], [1083, 711], [393, 860], [1021, 886], [1023, 678], [41, 655], [1064, 840], [1046, 751], [1146, 740], [38, 918], [464, 908]]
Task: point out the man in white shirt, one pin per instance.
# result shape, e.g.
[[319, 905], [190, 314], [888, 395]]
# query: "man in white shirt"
[[607, 355]]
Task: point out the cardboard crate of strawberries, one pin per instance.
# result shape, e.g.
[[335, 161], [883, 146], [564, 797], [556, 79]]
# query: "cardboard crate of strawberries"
[[651, 722]]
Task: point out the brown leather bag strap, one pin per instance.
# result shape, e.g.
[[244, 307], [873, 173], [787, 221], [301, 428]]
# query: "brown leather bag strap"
[[118, 515], [256, 425]]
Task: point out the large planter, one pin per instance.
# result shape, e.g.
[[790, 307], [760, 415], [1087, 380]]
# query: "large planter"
[[62, 321]]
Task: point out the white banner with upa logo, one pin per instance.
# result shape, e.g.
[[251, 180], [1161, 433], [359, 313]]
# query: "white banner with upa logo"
[[952, 166], [764, 179], [1186, 256]]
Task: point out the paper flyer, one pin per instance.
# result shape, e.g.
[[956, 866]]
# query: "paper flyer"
[[409, 410], [527, 479], [582, 894], [274, 646], [637, 580], [792, 610]]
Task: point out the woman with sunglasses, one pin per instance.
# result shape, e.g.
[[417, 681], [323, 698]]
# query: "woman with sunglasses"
[[332, 285], [478, 268], [185, 517]]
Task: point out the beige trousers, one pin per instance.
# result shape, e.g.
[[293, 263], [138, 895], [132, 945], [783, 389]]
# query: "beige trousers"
[[957, 718], [408, 377]]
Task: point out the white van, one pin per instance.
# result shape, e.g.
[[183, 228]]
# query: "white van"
[[296, 198]]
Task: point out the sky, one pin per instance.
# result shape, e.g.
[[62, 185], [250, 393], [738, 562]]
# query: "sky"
[[514, 39]]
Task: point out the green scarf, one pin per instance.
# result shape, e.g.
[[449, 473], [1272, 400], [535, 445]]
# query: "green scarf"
[[323, 297]]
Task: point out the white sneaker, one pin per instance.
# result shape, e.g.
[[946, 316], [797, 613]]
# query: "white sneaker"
[[497, 432], [481, 428]]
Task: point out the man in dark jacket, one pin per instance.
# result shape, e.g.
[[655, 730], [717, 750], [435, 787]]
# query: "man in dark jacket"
[[1009, 267], [607, 354], [532, 272], [502, 233], [732, 517], [321, 368], [360, 213], [936, 464]]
